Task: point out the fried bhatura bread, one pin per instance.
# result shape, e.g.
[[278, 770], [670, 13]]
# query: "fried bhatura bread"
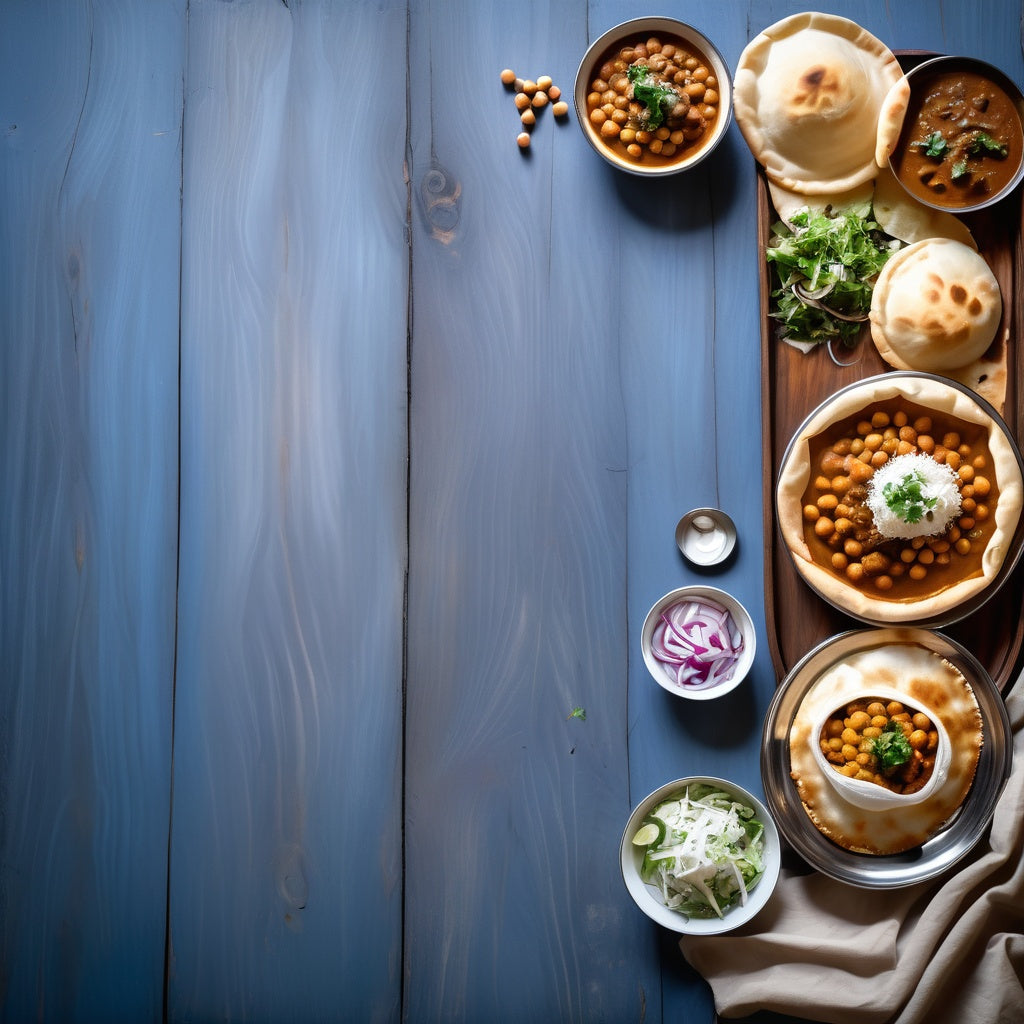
[[935, 307], [901, 215], [807, 95], [924, 679]]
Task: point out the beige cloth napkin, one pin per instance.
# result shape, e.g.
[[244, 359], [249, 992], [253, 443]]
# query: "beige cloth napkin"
[[948, 951]]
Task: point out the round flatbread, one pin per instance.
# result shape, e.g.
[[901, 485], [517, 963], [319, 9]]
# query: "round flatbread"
[[901, 215], [786, 202], [862, 600], [935, 307], [807, 94], [923, 679]]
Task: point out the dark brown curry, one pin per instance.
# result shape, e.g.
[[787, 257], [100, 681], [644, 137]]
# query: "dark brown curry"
[[961, 140]]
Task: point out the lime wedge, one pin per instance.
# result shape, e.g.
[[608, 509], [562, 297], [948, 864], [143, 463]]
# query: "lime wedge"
[[646, 834]]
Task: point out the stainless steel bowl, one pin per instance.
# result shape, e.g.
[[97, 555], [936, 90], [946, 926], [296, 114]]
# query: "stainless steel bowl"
[[916, 79], [633, 29]]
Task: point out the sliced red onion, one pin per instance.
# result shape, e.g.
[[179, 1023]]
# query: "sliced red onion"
[[698, 642]]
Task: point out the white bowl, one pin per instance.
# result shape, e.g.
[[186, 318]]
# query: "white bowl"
[[740, 616], [635, 29], [866, 794], [646, 897]]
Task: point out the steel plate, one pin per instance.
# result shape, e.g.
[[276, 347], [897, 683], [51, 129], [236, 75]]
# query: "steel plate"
[[956, 839]]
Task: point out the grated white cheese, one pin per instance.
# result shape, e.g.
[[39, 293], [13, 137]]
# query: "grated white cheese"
[[940, 484]]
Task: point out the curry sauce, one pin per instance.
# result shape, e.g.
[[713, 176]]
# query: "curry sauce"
[[961, 142], [838, 524]]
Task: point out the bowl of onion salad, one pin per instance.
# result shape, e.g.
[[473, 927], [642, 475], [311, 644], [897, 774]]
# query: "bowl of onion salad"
[[698, 642], [700, 855]]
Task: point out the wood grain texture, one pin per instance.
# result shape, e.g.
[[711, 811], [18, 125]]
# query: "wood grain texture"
[[90, 157], [517, 550], [286, 855], [347, 441]]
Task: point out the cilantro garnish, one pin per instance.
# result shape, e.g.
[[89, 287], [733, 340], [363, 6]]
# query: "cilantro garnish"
[[960, 170], [657, 98], [934, 145], [982, 144], [906, 498], [891, 748]]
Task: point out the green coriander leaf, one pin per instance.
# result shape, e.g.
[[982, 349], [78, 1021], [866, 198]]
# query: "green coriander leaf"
[[577, 713], [959, 170], [891, 748], [982, 144], [906, 498], [659, 99], [934, 145]]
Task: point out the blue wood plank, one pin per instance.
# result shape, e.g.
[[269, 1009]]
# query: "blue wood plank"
[[90, 162], [286, 856], [518, 544]]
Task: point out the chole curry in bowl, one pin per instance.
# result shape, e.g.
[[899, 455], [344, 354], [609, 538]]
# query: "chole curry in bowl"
[[899, 499]]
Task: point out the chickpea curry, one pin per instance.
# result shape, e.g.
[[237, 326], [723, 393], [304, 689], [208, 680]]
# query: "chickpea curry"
[[654, 101], [882, 742], [961, 141], [839, 526]]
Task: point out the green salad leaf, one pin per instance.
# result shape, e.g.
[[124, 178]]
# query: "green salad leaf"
[[842, 252], [704, 851], [906, 498], [659, 99]]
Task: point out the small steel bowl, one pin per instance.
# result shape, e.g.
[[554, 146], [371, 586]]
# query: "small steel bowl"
[[627, 32], [917, 78], [706, 536]]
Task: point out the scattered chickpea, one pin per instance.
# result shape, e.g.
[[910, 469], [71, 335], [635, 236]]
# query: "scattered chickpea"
[[531, 97]]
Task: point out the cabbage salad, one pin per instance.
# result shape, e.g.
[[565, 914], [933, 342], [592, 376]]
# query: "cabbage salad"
[[704, 851]]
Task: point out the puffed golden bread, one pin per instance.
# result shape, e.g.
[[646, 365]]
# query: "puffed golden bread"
[[924, 679]]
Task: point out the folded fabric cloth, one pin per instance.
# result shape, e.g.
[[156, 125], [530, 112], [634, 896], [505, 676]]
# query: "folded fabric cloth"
[[947, 951]]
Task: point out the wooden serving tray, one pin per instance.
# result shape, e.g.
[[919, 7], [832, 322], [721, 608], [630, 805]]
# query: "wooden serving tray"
[[794, 384]]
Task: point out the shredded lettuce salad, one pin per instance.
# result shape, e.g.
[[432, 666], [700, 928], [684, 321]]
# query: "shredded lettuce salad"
[[704, 851], [835, 257]]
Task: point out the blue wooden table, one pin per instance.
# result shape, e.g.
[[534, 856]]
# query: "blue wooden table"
[[340, 462]]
